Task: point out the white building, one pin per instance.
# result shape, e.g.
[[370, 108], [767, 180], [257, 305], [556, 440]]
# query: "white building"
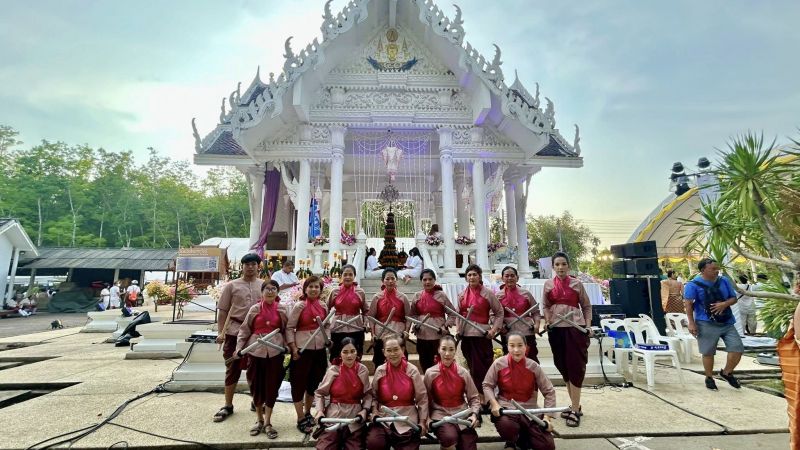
[[14, 241], [391, 93]]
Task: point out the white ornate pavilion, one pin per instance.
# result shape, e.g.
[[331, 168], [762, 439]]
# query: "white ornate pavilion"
[[391, 94]]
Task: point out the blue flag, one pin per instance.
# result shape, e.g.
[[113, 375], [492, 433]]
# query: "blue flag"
[[314, 220]]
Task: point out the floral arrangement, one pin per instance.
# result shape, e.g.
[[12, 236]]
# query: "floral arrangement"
[[320, 240], [215, 291], [464, 240], [495, 246], [433, 240], [347, 239], [159, 292], [294, 293], [186, 291]]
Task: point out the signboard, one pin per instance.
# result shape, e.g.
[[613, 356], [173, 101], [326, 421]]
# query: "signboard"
[[198, 259]]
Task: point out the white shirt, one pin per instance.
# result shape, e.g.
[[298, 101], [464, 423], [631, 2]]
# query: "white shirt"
[[105, 294], [133, 288], [414, 262], [285, 278], [372, 263], [746, 303]]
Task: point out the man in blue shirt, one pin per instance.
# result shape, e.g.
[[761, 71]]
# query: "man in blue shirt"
[[707, 300]]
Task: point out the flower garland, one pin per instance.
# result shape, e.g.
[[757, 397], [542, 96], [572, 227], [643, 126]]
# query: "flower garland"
[[433, 240], [464, 240], [495, 246]]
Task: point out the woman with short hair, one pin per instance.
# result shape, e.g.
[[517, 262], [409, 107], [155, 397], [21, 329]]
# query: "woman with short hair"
[[397, 385], [265, 369]]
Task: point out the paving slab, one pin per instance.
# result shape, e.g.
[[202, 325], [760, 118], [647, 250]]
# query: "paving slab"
[[739, 410], [778, 441]]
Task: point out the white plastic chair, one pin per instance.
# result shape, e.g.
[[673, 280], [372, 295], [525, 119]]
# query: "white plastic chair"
[[676, 328], [638, 328], [654, 337], [620, 353]]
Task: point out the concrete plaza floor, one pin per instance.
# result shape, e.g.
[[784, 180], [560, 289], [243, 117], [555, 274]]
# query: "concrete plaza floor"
[[92, 379]]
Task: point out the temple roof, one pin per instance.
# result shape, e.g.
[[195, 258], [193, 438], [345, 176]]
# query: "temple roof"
[[264, 109]]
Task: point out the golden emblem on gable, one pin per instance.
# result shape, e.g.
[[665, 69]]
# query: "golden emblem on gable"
[[386, 57]]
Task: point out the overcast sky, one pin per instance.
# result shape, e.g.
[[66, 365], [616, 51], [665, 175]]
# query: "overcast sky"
[[649, 83]]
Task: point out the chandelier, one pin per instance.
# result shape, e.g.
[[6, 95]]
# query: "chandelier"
[[389, 195]]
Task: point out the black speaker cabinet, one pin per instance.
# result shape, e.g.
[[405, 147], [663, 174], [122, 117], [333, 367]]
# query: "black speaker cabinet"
[[634, 297], [646, 249], [642, 266]]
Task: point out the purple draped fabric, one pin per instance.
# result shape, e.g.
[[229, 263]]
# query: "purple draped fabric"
[[272, 188]]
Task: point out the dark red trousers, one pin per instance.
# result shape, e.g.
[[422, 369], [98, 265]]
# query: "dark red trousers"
[[449, 435], [477, 351], [306, 373], [234, 371], [570, 353], [264, 376], [427, 349], [380, 437], [341, 438], [524, 433]]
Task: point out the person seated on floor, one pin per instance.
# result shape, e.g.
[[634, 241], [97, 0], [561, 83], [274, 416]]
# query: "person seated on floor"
[[372, 267]]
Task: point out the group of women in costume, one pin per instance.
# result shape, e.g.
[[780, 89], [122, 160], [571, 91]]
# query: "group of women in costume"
[[343, 390]]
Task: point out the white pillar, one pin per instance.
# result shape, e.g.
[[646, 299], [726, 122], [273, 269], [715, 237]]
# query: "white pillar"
[[479, 212], [462, 212], [303, 208], [255, 187], [437, 211], [337, 167], [511, 215], [13, 274], [446, 227], [523, 266]]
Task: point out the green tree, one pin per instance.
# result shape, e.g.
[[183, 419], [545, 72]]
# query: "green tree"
[[600, 265], [546, 233]]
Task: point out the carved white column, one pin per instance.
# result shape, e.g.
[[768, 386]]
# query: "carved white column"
[[462, 211], [337, 167], [446, 227], [479, 212], [523, 266], [255, 188], [511, 214], [303, 206]]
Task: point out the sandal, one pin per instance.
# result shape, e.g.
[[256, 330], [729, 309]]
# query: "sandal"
[[310, 419], [304, 427], [573, 419], [257, 428], [223, 413], [271, 433], [565, 414]]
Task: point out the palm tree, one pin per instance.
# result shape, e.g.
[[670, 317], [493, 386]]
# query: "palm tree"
[[756, 215]]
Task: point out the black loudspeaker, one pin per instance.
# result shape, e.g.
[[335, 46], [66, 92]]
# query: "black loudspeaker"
[[634, 297], [643, 266], [603, 311], [646, 249]]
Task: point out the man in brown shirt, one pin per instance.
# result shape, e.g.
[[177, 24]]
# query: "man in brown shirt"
[[235, 301]]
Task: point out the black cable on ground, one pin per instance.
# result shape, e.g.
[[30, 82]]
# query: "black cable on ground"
[[725, 429], [164, 437], [613, 386], [83, 432]]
